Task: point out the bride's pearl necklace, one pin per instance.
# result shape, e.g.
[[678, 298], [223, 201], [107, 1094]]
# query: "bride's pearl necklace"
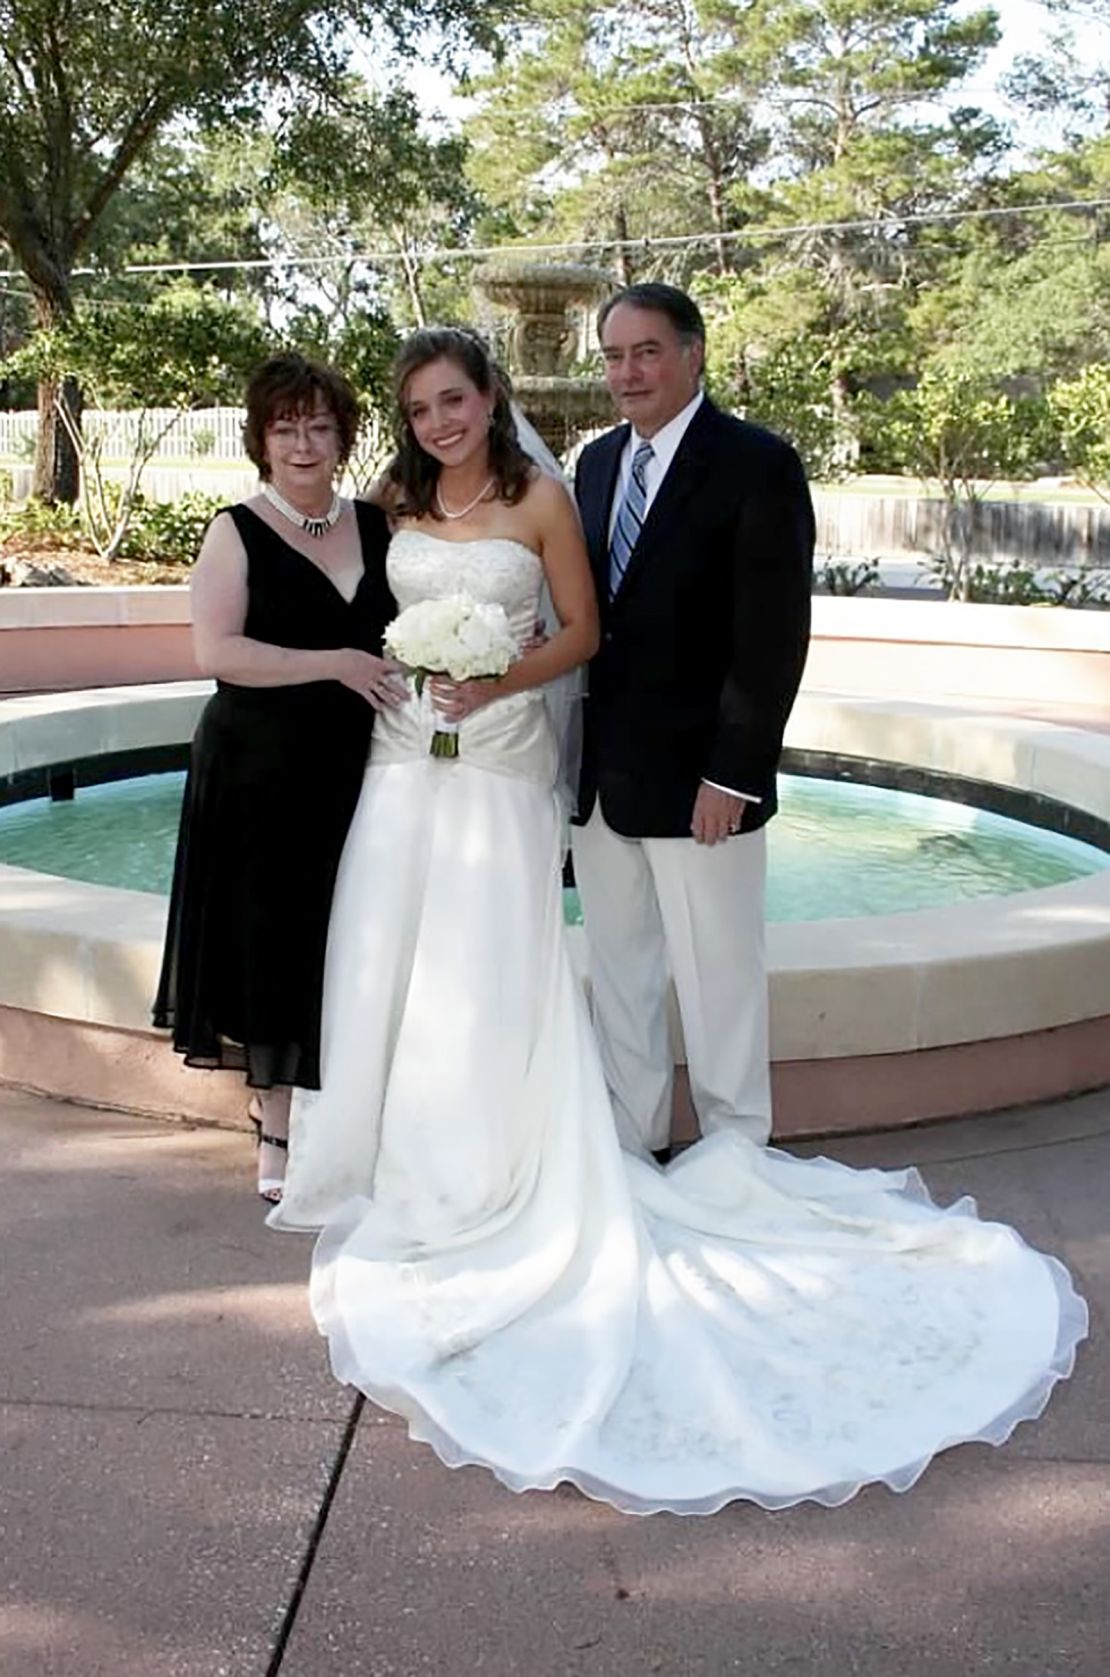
[[310, 526], [470, 505]]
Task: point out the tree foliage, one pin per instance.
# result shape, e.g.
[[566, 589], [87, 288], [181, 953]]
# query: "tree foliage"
[[86, 89], [957, 428], [621, 122], [1080, 407], [783, 158], [188, 348], [361, 172]]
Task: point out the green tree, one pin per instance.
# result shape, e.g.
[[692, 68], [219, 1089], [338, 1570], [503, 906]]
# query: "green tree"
[[1026, 295], [15, 324], [634, 120], [859, 152], [85, 90], [1039, 314], [191, 197], [779, 377], [188, 348], [956, 428], [1081, 410], [1068, 77], [361, 173]]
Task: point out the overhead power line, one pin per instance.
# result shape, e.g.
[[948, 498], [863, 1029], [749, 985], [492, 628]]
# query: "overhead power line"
[[571, 247], [680, 105], [649, 242]]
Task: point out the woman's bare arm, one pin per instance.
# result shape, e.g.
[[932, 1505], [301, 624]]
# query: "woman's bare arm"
[[218, 592], [567, 569]]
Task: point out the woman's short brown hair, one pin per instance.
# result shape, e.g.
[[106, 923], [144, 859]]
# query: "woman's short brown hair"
[[290, 384]]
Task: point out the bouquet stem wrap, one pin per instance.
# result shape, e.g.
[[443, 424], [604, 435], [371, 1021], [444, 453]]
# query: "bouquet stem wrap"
[[445, 740]]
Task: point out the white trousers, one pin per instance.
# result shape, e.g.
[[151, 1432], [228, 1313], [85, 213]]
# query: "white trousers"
[[657, 909]]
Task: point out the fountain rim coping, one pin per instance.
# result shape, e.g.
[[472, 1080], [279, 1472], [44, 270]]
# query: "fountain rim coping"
[[840, 988], [835, 617]]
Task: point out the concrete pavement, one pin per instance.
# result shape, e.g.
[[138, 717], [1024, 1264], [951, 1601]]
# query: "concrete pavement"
[[184, 1491]]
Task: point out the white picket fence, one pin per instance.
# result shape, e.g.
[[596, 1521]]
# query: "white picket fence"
[[199, 434]]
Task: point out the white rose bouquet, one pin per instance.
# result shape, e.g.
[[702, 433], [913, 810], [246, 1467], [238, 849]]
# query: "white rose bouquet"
[[455, 636]]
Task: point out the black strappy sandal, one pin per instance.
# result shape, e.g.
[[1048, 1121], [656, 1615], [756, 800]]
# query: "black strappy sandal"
[[269, 1187]]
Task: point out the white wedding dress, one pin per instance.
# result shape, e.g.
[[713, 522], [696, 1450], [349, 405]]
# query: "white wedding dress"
[[493, 1268]]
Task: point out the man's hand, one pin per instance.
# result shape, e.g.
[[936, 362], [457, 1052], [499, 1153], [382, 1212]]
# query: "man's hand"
[[717, 815]]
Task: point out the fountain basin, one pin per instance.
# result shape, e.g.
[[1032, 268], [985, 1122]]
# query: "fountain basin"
[[889, 1019], [840, 848]]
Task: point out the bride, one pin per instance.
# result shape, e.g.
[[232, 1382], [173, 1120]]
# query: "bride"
[[491, 1265]]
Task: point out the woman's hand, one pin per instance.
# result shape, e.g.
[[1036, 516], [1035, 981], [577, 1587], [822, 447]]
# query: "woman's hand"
[[456, 699], [380, 681]]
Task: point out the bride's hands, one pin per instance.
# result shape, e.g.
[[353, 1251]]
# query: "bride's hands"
[[456, 699], [380, 681]]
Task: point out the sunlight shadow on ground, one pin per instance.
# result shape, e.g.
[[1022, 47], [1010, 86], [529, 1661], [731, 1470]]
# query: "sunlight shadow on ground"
[[269, 1309]]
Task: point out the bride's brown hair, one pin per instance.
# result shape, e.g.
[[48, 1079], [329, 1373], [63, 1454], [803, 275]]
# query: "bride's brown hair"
[[412, 474]]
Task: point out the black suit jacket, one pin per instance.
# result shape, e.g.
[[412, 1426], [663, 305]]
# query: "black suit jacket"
[[703, 647]]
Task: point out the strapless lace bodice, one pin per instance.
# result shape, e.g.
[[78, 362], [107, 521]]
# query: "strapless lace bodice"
[[494, 569], [512, 735]]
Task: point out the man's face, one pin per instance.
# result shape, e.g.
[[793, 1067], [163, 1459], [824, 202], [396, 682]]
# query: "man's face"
[[650, 372]]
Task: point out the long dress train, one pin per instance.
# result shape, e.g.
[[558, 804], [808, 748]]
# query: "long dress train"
[[530, 1298]]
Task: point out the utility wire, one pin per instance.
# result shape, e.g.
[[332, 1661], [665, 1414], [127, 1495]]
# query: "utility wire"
[[682, 106], [470, 253]]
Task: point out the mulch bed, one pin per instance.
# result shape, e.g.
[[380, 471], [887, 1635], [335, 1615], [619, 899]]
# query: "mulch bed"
[[85, 567]]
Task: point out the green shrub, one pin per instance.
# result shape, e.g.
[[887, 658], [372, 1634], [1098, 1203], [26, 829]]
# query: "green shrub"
[[167, 531], [836, 576], [1011, 583], [36, 519], [1079, 589], [170, 531]]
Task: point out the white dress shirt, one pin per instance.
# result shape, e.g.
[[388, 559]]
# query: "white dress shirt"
[[664, 446]]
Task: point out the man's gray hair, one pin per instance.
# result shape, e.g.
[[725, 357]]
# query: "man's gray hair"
[[681, 310]]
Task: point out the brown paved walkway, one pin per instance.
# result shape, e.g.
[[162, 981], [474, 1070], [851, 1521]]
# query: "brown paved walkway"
[[169, 1436]]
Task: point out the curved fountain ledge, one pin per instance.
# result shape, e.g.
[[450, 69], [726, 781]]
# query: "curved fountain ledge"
[[875, 1021]]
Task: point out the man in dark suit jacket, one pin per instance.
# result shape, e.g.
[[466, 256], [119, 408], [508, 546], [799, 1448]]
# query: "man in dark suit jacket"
[[700, 531]]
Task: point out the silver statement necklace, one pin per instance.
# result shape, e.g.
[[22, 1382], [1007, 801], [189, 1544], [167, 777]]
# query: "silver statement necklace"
[[311, 526], [470, 505]]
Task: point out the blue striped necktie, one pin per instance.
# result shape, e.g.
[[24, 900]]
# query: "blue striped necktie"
[[630, 517]]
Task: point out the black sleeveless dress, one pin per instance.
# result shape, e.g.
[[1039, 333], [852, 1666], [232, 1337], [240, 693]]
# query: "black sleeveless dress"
[[274, 776]]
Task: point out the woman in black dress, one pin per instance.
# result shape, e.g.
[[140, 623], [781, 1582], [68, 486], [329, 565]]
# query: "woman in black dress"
[[289, 601]]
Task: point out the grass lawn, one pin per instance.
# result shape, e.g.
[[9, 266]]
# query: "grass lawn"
[[1044, 491], [196, 461]]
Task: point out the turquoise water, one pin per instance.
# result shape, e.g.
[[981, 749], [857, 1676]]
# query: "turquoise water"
[[835, 849]]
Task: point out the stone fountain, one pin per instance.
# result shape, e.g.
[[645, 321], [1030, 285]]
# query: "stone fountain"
[[542, 343]]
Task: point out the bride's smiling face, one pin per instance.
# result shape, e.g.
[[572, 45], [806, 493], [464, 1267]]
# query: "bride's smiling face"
[[449, 415]]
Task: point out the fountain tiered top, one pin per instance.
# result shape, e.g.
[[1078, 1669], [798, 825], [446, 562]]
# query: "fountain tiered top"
[[543, 341]]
